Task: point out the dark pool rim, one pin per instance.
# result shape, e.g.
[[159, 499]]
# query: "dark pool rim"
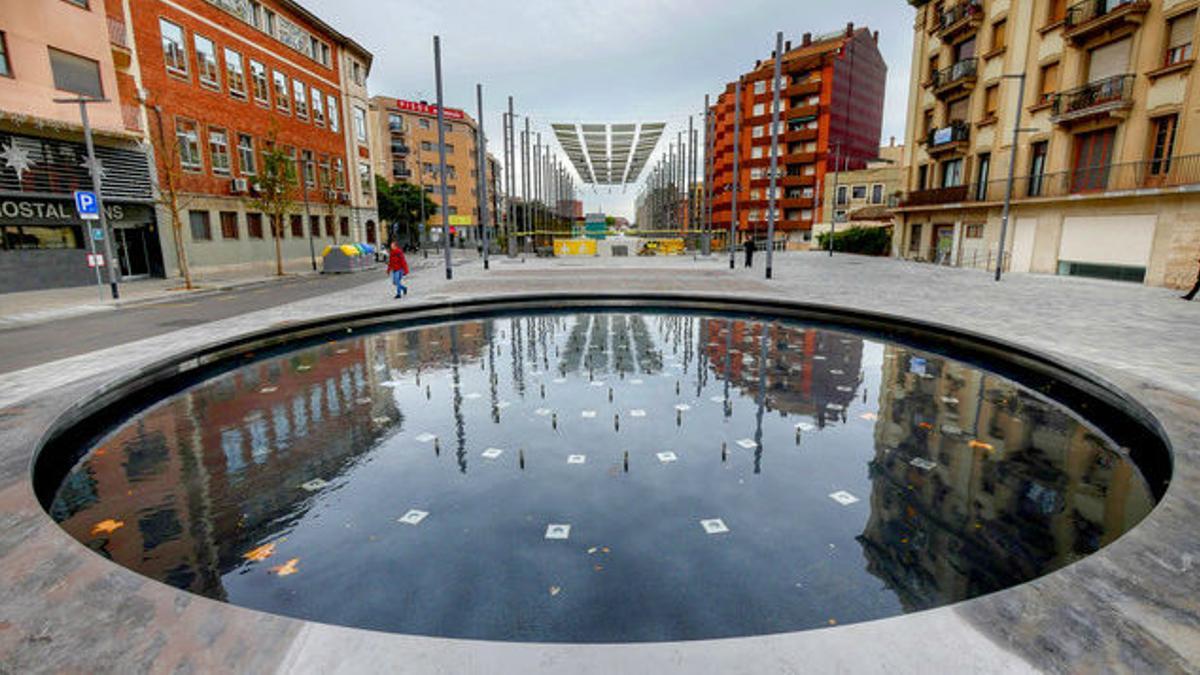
[[1100, 402]]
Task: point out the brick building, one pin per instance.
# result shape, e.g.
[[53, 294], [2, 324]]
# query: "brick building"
[[831, 113], [219, 80]]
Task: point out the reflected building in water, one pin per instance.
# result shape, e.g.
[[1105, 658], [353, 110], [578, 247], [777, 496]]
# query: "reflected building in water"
[[979, 484]]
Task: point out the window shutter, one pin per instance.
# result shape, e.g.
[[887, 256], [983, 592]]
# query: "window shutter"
[[1182, 28], [1109, 61]]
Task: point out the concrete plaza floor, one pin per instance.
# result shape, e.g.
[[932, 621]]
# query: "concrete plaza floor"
[[1134, 606]]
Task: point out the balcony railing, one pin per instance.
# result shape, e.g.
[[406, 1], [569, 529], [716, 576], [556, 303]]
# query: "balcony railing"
[[964, 70], [1098, 96], [399, 149], [1082, 13], [1166, 173], [955, 16], [956, 132]]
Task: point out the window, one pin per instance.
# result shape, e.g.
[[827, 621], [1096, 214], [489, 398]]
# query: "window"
[[254, 226], [927, 122], [981, 182], [206, 62], [328, 226], [757, 152], [229, 225], [314, 225], [759, 109], [334, 119], [1179, 38], [991, 101], [759, 132], [958, 111], [877, 194], [424, 123], [262, 89], [360, 124], [187, 136], [760, 87], [842, 195], [75, 74], [952, 173], [246, 155], [283, 97], [858, 192], [309, 171], [17, 237], [218, 151], [5, 65], [1049, 83], [932, 67], [999, 35], [426, 146], [339, 174], [1164, 144], [1037, 168], [357, 69], [235, 74], [269, 22], [297, 224], [174, 49], [1058, 12], [364, 178], [922, 177], [974, 231], [318, 107], [344, 226], [301, 99], [1093, 159], [200, 225]]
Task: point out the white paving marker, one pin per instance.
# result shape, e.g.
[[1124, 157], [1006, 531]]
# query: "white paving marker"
[[413, 517], [543, 412], [390, 384], [473, 396], [560, 380], [314, 485], [714, 526], [922, 463], [748, 443], [492, 453], [558, 531], [577, 459], [717, 399], [666, 457], [426, 437], [844, 498], [837, 371], [805, 426], [597, 383], [636, 382], [268, 390], [638, 412], [682, 407], [588, 414]]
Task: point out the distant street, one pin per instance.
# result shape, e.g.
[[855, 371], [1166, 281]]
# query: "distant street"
[[45, 342]]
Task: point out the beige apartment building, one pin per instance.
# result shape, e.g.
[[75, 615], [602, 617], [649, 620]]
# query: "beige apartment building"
[[1108, 158], [866, 197], [405, 137]]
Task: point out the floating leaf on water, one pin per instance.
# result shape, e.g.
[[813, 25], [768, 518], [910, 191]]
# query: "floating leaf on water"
[[555, 590], [976, 444], [870, 417], [926, 426], [261, 553], [287, 569], [107, 526]]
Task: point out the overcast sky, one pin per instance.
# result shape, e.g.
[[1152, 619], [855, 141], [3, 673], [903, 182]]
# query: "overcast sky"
[[600, 60]]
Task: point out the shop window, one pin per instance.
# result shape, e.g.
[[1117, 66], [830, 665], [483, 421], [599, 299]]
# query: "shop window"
[[24, 237]]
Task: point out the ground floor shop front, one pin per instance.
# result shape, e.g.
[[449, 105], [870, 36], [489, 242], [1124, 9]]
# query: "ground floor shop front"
[[1153, 239]]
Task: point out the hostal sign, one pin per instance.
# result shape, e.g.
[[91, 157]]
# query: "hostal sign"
[[39, 212]]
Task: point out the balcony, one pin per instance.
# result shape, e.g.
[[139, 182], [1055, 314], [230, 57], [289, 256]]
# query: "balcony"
[[949, 139], [959, 77], [1173, 173], [961, 19], [401, 173], [400, 149], [118, 40], [1089, 18], [1110, 97], [131, 116]]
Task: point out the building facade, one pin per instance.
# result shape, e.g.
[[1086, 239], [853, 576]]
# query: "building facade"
[[831, 114], [217, 82], [62, 50], [866, 197], [1108, 158], [406, 151]]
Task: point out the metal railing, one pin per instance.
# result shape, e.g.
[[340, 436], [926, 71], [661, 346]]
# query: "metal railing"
[[963, 70], [399, 149], [1116, 89], [1168, 172], [117, 33], [956, 132], [959, 12], [1083, 12]]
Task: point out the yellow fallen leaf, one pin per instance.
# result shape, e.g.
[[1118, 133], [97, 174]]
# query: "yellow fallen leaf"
[[261, 553], [107, 526], [833, 622], [925, 425], [870, 417], [286, 569], [980, 445]]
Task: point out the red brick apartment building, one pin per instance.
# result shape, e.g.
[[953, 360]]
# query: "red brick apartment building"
[[831, 113], [219, 78]]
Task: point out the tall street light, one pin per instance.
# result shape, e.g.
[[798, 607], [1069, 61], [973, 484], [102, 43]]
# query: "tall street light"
[[1012, 168], [441, 122], [771, 215]]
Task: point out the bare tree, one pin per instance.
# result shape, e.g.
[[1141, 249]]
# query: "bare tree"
[[275, 185], [170, 195]]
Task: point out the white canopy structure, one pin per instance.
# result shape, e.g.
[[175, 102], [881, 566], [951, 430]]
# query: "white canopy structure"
[[609, 154]]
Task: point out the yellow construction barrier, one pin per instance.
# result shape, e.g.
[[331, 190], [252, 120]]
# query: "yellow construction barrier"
[[662, 247], [574, 247]]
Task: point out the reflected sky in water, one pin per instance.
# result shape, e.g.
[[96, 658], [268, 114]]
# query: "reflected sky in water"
[[720, 477]]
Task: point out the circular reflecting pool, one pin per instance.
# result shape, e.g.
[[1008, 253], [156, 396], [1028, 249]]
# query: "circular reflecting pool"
[[601, 477]]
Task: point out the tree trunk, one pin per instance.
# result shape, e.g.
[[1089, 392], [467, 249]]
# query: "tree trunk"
[[185, 269], [278, 245], [1191, 295]]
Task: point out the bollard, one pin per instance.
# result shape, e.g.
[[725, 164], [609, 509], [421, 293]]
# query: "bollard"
[[610, 394], [437, 448], [676, 387], [428, 393], [521, 458], [678, 418], [543, 390], [554, 420], [626, 461], [724, 451], [617, 422]]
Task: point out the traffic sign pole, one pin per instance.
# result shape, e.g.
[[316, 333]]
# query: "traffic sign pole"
[[95, 171]]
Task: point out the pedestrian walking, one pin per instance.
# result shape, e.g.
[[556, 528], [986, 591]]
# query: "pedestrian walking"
[[1191, 295], [398, 267], [750, 247]]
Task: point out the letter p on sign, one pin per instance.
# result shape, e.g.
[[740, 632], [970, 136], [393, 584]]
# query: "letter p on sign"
[[86, 205]]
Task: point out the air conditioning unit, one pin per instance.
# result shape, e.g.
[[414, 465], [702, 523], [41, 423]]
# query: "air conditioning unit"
[[239, 186]]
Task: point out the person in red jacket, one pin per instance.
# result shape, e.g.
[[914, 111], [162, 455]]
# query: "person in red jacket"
[[398, 266]]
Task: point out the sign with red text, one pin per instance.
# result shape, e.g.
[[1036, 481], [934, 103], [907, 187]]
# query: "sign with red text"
[[422, 108]]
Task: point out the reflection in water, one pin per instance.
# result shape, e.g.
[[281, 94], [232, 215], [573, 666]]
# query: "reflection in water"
[[412, 476]]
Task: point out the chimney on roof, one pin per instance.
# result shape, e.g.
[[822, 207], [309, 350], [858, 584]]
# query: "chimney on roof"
[[787, 46], [876, 37], [892, 143], [850, 29], [757, 63], [807, 40]]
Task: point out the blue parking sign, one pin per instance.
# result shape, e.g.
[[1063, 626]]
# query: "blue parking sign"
[[86, 205]]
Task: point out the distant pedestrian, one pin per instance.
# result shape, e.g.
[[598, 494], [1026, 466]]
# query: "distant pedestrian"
[[750, 248], [1195, 288], [398, 266]]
